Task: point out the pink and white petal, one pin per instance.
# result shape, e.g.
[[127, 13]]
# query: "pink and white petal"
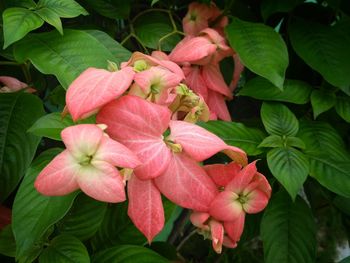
[[243, 178], [116, 154], [222, 174], [257, 201], [239, 67], [160, 55], [196, 141], [225, 207], [185, 183], [198, 219], [12, 83], [59, 176], [236, 154], [264, 185], [102, 181], [234, 229], [95, 88], [215, 81], [82, 139], [173, 67], [217, 235], [145, 207], [228, 242], [217, 104], [195, 81]]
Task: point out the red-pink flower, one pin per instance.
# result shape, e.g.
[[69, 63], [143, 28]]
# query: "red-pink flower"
[[88, 163], [196, 18]]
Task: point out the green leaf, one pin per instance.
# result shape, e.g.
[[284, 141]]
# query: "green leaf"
[[343, 108], [288, 231], [345, 260], [323, 48], [342, 204], [64, 56], [21, 3], [17, 147], [84, 218], [50, 17], [128, 254], [111, 9], [272, 141], [294, 91], [322, 101], [270, 7], [260, 48], [7, 242], [278, 119], [295, 142], [33, 213], [152, 26], [18, 22], [290, 167], [171, 213], [117, 229], [237, 134], [65, 249], [63, 8]]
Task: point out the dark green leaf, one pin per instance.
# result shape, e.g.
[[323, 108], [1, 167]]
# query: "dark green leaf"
[[260, 48], [345, 260], [237, 134], [64, 56], [270, 7], [84, 218], [272, 141], [18, 22], [63, 8], [288, 231], [128, 254], [343, 108], [321, 101], [278, 119], [111, 9], [34, 213], [65, 249], [342, 204], [290, 167], [50, 17], [17, 147], [294, 91], [152, 27], [295, 142], [323, 48], [7, 242]]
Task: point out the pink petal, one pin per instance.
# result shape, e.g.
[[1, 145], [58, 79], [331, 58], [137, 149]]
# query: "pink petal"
[[116, 154], [185, 183], [58, 177], [198, 219], [222, 174], [195, 81], [101, 181], [259, 182], [12, 84], [226, 207], [196, 18], [95, 88], [217, 103], [217, 235], [257, 201], [243, 178], [236, 154], [228, 242], [82, 140], [196, 141], [145, 207], [234, 228], [215, 81], [160, 55], [239, 67]]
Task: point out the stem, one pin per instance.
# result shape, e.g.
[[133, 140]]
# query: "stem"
[[179, 226], [126, 39], [183, 241], [166, 36], [9, 63]]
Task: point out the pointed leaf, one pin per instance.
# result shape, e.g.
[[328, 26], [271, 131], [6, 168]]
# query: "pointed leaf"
[[111, 9], [288, 231], [64, 8], [254, 43], [17, 147], [322, 101], [342, 107], [50, 17], [290, 167], [272, 141], [295, 142]]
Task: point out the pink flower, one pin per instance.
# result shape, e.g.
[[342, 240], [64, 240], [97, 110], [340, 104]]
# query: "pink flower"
[[88, 163], [10, 84]]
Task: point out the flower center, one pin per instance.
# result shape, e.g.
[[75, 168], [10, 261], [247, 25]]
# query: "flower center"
[[140, 65], [175, 147], [242, 199], [86, 160]]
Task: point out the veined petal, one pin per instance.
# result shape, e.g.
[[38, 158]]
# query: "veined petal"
[[59, 176], [95, 88], [185, 183], [228, 242], [12, 84], [217, 104], [243, 178], [225, 206], [102, 181], [145, 207], [198, 219], [195, 81], [234, 229], [222, 174], [215, 81], [239, 67], [257, 201], [217, 235], [196, 141]]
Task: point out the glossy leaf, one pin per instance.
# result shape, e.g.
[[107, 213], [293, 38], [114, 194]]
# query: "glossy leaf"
[[288, 231], [295, 142], [128, 254], [50, 17], [64, 56], [254, 43], [322, 101], [63, 8], [17, 147], [324, 48], [290, 167], [7, 242], [294, 91], [65, 249], [18, 22], [278, 119], [272, 141], [342, 107], [237, 134], [270, 7], [34, 213], [111, 9]]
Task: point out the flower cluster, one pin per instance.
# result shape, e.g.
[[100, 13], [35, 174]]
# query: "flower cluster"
[[145, 138]]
